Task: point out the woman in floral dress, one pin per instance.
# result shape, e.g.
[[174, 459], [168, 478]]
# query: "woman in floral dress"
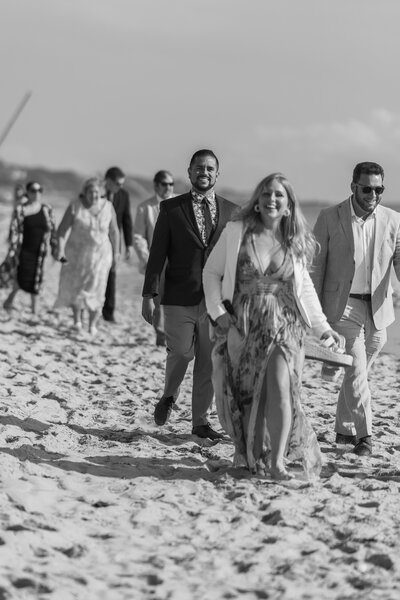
[[259, 293], [32, 231], [88, 253]]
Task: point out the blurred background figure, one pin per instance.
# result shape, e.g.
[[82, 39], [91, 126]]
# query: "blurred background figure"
[[143, 230], [32, 229], [19, 197], [89, 253], [119, 198]]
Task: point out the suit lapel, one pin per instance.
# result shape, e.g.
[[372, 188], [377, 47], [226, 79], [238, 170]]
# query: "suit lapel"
[[187, 209], [380, 232], [344, 213], [222, 217]]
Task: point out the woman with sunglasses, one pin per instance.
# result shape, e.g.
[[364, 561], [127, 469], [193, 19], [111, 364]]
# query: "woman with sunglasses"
[[32, 230], [88, 254]]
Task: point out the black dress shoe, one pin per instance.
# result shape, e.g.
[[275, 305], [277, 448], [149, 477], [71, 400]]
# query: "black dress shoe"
[[363, 446], [206, 431], [109, 318], [163, 410], [342, 438]]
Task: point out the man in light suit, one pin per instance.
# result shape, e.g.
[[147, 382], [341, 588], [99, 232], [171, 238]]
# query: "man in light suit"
[[187, 229], [143, 231], [360, 240]]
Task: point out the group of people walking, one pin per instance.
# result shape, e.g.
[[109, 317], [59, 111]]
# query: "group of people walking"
[[87, 243], [262, 279], [236, 289]]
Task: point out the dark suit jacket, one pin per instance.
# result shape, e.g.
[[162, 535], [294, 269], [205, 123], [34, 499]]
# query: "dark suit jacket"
[[177, 240], [122, 208]]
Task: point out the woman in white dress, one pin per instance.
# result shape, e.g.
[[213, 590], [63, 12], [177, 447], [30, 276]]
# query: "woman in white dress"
[[87, 253]]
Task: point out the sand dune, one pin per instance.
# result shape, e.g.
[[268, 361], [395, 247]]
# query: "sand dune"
[[99, 503]]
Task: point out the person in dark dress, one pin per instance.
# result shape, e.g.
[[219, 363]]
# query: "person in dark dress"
[[32, 230]]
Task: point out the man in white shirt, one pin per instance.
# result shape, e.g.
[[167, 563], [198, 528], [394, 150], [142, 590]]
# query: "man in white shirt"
[[143, 230], [359, 241]]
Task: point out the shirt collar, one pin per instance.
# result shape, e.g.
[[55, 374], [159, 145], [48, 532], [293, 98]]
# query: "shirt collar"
[[354, 217], [210, 195]]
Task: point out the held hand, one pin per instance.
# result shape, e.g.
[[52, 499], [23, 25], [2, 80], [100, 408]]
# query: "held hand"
[[148, 310], [336, 336], [128, 253], [224, 322]]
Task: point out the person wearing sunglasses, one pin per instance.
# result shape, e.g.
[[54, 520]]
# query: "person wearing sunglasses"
[[119, 198], [32, 230], [359, 241], [143, 230]]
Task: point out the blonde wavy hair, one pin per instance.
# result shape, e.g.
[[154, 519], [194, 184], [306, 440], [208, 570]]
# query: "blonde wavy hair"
[[296, 234], [93, 182]]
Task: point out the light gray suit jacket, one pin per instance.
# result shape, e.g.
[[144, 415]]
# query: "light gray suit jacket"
[[334, 265], [143, 229]]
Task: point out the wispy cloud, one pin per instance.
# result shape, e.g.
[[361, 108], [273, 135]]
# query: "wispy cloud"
[[378, 132]]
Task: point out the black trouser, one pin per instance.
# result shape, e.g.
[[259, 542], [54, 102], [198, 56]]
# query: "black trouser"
[[109, 303]]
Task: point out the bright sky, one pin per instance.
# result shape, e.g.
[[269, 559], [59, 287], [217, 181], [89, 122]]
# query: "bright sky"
[[307, 87]]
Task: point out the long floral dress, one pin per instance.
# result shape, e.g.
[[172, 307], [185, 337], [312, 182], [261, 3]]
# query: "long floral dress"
[[266, 317], [83, 279], [29, 239]]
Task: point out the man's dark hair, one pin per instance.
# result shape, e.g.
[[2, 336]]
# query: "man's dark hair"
[[201, 154], [114, 173], [367, 168], [161, 175]]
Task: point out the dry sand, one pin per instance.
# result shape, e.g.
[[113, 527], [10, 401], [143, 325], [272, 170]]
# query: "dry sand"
[[99, 503]]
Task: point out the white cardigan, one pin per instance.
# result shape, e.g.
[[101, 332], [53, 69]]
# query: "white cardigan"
[[219, 280]]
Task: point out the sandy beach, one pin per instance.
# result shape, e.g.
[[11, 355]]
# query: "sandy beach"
[[99, 503]]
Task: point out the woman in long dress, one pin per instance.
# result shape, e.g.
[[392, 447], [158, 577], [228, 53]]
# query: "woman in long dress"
[[32, 231], [259, 293], [88, 253]]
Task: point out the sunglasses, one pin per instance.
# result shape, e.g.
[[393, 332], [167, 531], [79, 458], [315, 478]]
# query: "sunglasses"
[[36, 190], [166, 183], [367, 189]]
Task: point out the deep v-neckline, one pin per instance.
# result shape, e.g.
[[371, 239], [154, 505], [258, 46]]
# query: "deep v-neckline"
[[267, 271]]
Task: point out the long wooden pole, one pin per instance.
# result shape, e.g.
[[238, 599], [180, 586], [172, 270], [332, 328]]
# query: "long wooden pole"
[[15, 116]]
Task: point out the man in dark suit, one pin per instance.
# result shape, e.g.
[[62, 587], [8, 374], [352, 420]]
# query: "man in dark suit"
[[114, 181], [187, 229]]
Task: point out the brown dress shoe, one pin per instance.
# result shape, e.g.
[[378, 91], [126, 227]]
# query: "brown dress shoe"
[[206, 431], [363, 446], [342, 438], [163, 410]]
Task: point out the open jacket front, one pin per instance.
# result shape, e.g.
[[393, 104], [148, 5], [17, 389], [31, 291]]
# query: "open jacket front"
[[220, 272]]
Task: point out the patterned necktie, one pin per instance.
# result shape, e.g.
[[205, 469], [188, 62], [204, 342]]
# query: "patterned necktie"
[[208, 224]]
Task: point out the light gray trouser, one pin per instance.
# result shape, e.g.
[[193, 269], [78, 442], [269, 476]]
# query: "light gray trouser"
[[158, 316], [187, 335], [364, 342]]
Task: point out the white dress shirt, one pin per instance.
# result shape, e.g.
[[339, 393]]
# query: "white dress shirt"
[[364, 238]]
